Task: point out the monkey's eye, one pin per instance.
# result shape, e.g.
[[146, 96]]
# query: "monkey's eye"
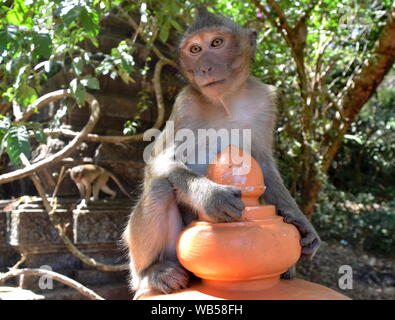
[[195, 49], [217, 42]]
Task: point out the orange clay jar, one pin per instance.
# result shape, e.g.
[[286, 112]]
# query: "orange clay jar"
[[243, 259], [258, 247]]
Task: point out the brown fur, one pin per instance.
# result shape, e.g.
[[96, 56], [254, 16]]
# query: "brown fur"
[[91, 178]]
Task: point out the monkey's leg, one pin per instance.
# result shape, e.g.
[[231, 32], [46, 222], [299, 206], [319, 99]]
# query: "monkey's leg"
[[88, 191], [277, 194], [151, 235], [81, 189], [100, 184], [109, 191]]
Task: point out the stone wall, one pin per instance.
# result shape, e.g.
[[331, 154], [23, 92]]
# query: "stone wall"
[[96, 230]]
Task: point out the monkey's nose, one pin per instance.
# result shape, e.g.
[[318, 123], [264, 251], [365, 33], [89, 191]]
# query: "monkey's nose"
[[206, 69]]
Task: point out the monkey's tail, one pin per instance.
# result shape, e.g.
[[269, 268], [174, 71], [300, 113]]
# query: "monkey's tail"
[[120, 186]]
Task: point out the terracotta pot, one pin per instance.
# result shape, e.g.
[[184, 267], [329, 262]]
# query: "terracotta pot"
[[262, 246], [239, 250]]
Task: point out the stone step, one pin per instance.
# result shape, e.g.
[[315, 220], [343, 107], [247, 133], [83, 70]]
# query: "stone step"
[[15, 293]]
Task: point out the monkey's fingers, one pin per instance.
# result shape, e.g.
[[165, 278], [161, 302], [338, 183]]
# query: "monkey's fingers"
[[234, 210], [175, 280], [233, 200], [309, 238], [236, 192], [167, 277], [223, 216], [303, 226], [311, 248], [310, 241]]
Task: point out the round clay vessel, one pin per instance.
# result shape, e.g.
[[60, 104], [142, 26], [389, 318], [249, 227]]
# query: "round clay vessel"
[[245, 250], [260, 246]]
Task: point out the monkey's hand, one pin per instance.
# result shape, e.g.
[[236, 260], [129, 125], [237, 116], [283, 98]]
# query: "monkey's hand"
[[310, 241], [221, 203]]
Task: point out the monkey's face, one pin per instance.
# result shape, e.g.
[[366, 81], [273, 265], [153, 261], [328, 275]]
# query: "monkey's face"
[[76, 173], [214, 61]]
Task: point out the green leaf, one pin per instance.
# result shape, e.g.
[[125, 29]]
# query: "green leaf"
[[4, 127], [4, 123], [70, 14], [19, 14], [164, 32], [25, 95], [176, 25], [78, 65], [91, 83], [78, 91], [42, 45], [40, 135], [3, 143], [14, 17], [18, 143], [3, 40], [90, 22]]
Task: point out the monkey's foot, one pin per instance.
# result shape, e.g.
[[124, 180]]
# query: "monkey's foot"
[[166, 277], [289, 274]]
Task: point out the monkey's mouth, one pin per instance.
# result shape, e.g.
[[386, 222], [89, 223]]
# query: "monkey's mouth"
[[213, 83]]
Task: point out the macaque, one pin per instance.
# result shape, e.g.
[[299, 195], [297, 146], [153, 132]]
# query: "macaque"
[[92, 178], [214, 56]]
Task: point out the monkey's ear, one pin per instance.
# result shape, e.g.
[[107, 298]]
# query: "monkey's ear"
[[201, 9], [253, 37]]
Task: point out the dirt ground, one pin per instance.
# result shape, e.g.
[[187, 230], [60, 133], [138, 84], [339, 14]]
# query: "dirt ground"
[[373, 277]]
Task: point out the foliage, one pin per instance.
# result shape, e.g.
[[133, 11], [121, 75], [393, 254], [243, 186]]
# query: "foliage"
[[356, 220], [15, 138], [39, 38], [365, 162]]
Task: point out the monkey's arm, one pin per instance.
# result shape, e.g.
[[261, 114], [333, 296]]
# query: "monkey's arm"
[[278, 195], [210, 200]]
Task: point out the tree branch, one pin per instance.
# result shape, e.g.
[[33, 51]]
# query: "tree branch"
[[364, 84], [281, 15], [125, 139], [73, 144]]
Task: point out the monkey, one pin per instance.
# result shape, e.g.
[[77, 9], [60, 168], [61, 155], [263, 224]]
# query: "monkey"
[[92, 178], [215, 55]]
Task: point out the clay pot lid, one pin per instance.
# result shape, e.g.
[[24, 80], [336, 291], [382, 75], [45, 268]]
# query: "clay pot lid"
[[236, 167]]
